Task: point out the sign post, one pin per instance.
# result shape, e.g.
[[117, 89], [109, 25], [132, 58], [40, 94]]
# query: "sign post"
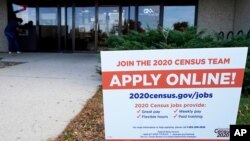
[[178, 94]]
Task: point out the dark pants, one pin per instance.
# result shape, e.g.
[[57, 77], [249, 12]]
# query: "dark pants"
[[13, 44]]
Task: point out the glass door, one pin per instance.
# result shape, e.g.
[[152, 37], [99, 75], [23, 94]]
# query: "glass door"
[[84, 28], [148, 17], [27, 39], [66, 29], [63, 29], [175, 16], [48, 25], [108, 23]]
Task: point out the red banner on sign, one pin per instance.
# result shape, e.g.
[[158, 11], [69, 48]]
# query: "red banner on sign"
[[206, 78]]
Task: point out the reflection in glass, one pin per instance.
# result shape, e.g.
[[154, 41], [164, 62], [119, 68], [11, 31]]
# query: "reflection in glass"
[[48, 28], [132, 13], [174, 14], [48, 16], [108, 20], [63, 16], [84, 28], [125, 20], [69, 20], [108, 23], [27, 15], [128, 19], [69, 29], [148, 17], [85, 19], [63, 28], [27, 38], [132, 18]]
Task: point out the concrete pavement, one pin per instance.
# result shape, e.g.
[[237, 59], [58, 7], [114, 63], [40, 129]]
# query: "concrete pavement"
[[40, 97]]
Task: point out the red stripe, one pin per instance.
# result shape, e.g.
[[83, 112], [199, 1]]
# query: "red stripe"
[[161, 83]]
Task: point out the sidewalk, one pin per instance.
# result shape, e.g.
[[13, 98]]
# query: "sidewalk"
[[40, 97]]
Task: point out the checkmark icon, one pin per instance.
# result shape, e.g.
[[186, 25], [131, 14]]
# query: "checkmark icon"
[[138, 111], [138, 116], [175, 116], [175, 110]]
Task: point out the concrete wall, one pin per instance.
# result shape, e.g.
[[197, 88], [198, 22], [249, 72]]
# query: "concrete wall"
[[242, 16], [3, 23], [216, 15]]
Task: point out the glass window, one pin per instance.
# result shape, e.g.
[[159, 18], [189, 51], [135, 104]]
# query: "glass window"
[[174, 14], [48, 16], [27, 39], [125, 20], [125, 15], [148, 17], [69, 20], [108, 20], [28, 15], [132, 13], [48, 28], [69, 29], [131, 18], [62, 16], [84, 28], [85, 19], [63, 28], [128, 19]]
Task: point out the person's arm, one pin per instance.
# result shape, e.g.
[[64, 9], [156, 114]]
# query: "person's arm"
[[19, 30], [22, 9]]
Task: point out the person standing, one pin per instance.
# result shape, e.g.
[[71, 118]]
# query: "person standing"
[[10, 32]]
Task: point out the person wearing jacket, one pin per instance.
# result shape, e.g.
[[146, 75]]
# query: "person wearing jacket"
[[10, 32]]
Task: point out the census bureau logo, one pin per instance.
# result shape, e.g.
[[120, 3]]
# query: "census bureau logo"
[[222, 132], [148, 11]]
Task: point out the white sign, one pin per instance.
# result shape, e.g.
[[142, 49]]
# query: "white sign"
[[148, 11], [172, 94]]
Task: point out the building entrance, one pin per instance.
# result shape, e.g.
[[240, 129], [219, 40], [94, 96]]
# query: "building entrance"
[[72, 25]]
